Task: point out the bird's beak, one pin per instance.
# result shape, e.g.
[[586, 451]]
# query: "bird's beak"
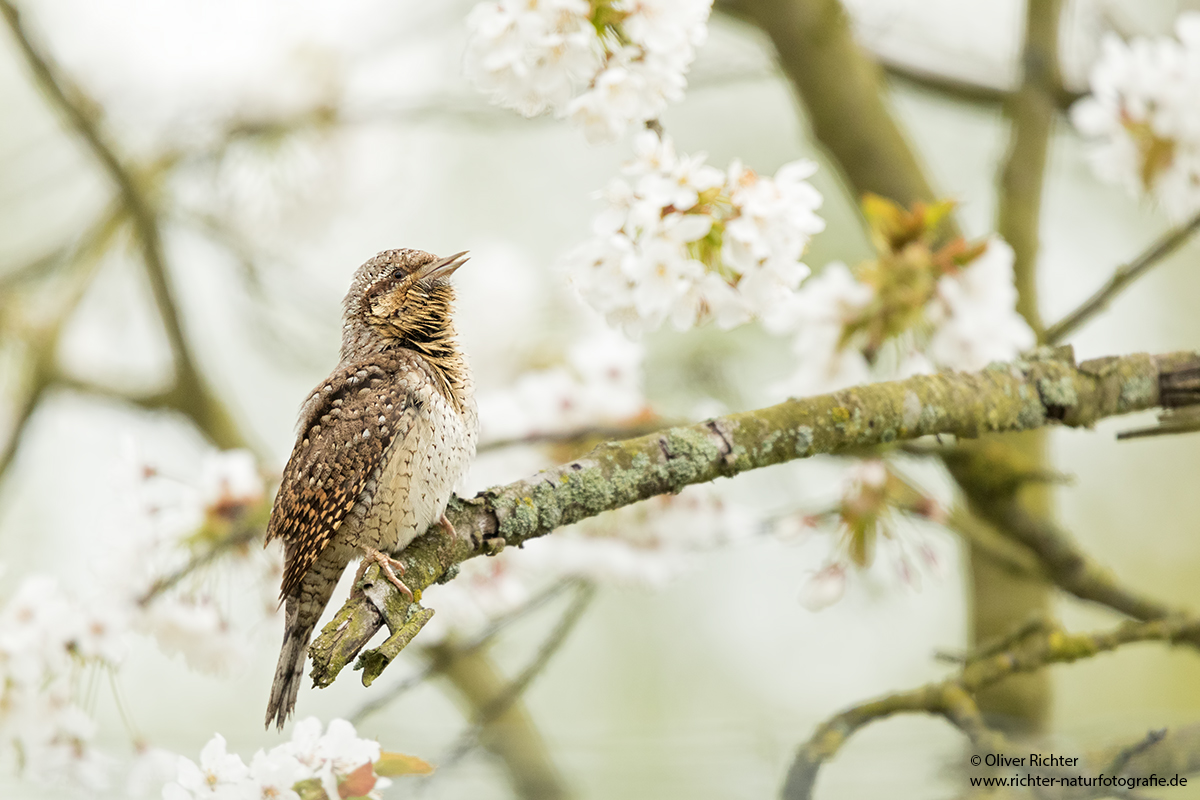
[[443, 268]]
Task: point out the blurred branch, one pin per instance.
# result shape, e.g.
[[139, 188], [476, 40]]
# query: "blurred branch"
[[41, 340], [191, 394], [841, 88], [486, 715], [638, 427], [1174, 751], [1014, 558], [1022, 396], [1124, 275], [952, 698], [511, 735], [247, 528], [1066, 565], [999, 601], [1032, 111], [1126, 754], [963, 90]]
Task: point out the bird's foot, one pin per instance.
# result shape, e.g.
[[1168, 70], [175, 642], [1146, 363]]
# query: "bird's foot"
[[446, 526], [387, 565]]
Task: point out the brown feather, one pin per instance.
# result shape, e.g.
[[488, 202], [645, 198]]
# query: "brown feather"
[[350, 422]]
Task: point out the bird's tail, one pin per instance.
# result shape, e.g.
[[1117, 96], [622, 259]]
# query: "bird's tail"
[[290, 670]]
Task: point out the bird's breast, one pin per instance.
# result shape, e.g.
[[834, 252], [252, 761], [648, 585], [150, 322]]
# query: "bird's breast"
[[419, 474]]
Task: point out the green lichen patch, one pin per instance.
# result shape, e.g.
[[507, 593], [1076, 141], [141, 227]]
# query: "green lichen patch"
[[1058, 392], [804, 440], [1137, 392]]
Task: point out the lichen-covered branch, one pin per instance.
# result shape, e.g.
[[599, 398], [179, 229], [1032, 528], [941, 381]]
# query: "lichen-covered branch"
[[1025, 395], [951, 698]]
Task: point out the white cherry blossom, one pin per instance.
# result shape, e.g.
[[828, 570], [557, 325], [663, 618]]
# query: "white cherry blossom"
[[328, 758], [974, 317], [603, 65], [682, 241], [599, 383], [969, 321], [1143, 118]]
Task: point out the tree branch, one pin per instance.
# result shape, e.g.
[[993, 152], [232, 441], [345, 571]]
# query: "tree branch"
[[966, 91], [1005, 397], [42, 341], [841, 88], [511, 736], [1032, 110], [191, 394], [486, 715], [1124, 275], [1069, 567], [951, 698]]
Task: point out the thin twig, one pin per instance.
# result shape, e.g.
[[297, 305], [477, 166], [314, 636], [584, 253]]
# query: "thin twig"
[[242, 534], [961, 89], [507, 696], [1125, 275], [1122, 759], [43, 342], [606, 432]]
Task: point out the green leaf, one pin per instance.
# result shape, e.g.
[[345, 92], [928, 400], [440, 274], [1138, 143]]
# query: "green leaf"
[[393, 764]]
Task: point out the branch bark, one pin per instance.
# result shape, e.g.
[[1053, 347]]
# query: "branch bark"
[[1025, 395]]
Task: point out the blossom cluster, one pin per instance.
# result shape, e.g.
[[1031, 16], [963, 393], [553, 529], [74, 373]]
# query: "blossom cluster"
[[915, 308], [332, 765], [49, 632], [874, 500], [684, 241], [604, 64], [600, 383], [1144, 118]]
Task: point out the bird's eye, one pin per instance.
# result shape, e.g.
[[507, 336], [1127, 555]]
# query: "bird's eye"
[[398, 274]]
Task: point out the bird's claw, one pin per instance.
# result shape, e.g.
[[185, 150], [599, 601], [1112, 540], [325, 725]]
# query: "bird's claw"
[[387, 565]]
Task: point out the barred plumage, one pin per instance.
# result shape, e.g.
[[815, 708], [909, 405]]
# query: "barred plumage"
[[381, 443]]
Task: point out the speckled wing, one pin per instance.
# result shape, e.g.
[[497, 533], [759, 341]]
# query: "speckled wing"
[[347, 427]]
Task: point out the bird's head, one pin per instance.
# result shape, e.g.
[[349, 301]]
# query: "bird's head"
[[404, 296]]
